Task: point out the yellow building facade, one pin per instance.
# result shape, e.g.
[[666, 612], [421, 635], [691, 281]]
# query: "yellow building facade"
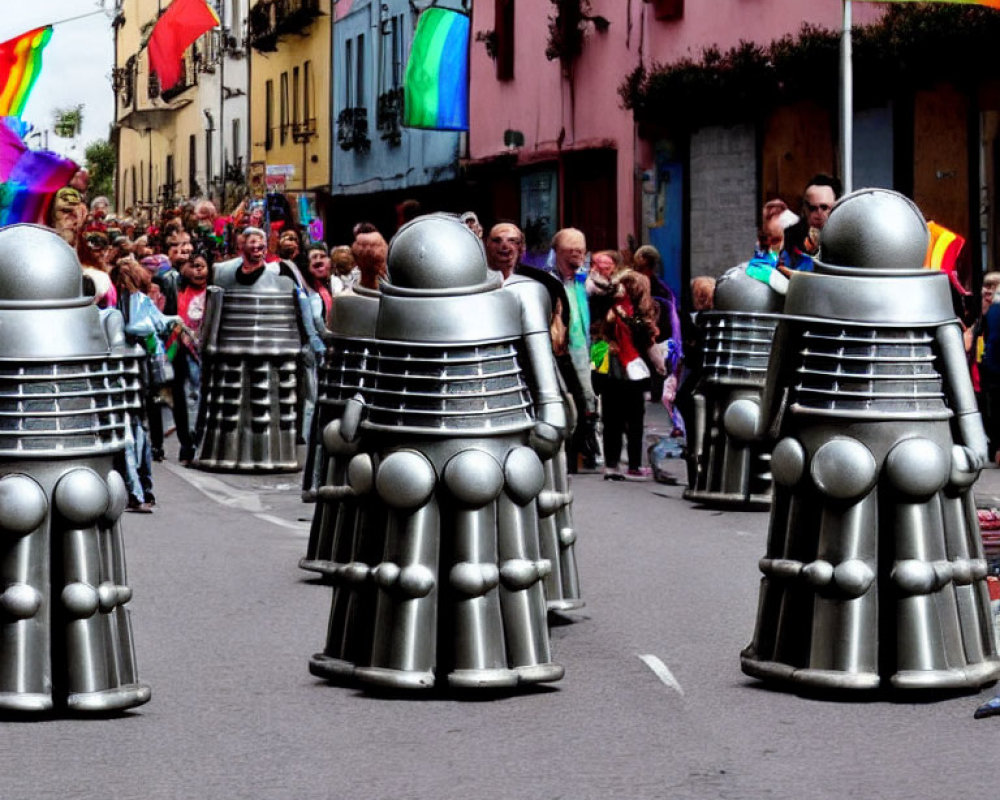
[[290, 66], [188, 141]]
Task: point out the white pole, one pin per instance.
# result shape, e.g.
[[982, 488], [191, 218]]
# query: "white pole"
[[846, 103]]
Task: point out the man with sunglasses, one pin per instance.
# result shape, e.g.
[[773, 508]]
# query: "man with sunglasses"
[[802, 238]]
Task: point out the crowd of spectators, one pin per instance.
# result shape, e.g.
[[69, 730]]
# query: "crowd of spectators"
[[157, 274], [619, 335], [616, 337], [616, 332]]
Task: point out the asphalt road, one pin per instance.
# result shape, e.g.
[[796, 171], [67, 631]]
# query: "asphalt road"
[[653, 704]]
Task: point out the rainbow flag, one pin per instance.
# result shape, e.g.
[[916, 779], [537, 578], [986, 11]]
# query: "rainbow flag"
[[28, 178], [986, 3], [436, 83], [20, 64]]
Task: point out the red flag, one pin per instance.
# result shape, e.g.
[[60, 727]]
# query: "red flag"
[[182, 23]]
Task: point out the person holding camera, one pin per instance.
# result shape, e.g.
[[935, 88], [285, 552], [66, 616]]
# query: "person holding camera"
[[623, 356]]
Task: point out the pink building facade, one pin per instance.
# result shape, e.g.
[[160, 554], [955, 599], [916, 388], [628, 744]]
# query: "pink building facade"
[[551, 144]]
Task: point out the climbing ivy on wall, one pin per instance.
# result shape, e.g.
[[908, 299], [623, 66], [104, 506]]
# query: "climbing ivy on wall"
[[909, 48]]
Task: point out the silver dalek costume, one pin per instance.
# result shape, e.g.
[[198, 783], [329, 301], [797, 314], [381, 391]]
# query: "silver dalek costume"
[[874, 573], [725, 466], [251, 342], [350, 345], [68, 383], [462, 405]]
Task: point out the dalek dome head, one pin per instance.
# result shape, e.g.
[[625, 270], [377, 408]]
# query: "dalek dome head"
[[36, 264], [876, 230], [436, 251], [735, 290]]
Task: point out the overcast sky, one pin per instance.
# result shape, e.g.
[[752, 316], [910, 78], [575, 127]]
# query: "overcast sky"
[[76, 66]]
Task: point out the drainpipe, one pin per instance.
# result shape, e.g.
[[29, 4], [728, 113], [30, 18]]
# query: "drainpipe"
[[560, 182], [222, 120]]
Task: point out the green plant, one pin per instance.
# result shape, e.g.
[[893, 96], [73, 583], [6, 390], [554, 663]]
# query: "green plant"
[[100, 160], [910, 47], [68, 121], [488, 38]]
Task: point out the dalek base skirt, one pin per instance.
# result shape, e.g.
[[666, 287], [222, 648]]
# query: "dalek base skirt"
[[249, 375], [446, 582], [65, 636], [728, 470], [898, 540], [557, 537], [250, 416]]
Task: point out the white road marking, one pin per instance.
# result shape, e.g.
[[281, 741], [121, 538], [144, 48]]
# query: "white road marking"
[[660, 671], [231, 497], [302, 527]]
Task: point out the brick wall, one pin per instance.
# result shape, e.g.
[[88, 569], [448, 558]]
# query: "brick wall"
[[724, 205]]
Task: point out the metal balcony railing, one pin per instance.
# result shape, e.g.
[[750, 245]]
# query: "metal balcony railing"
[[189, 78], [262, 26], [270, 19], [389, 116], [303, 131], [352, 130]]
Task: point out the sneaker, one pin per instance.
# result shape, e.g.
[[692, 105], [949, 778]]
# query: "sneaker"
[[641, 474], [613, 475]]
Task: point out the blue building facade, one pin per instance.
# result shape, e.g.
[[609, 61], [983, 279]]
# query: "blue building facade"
[[377, 163]]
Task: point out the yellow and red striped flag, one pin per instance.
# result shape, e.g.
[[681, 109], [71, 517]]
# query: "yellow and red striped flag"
[[943, 251]]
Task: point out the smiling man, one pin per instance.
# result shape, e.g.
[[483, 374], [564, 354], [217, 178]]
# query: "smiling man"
[[504, 248], [252, 256]]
